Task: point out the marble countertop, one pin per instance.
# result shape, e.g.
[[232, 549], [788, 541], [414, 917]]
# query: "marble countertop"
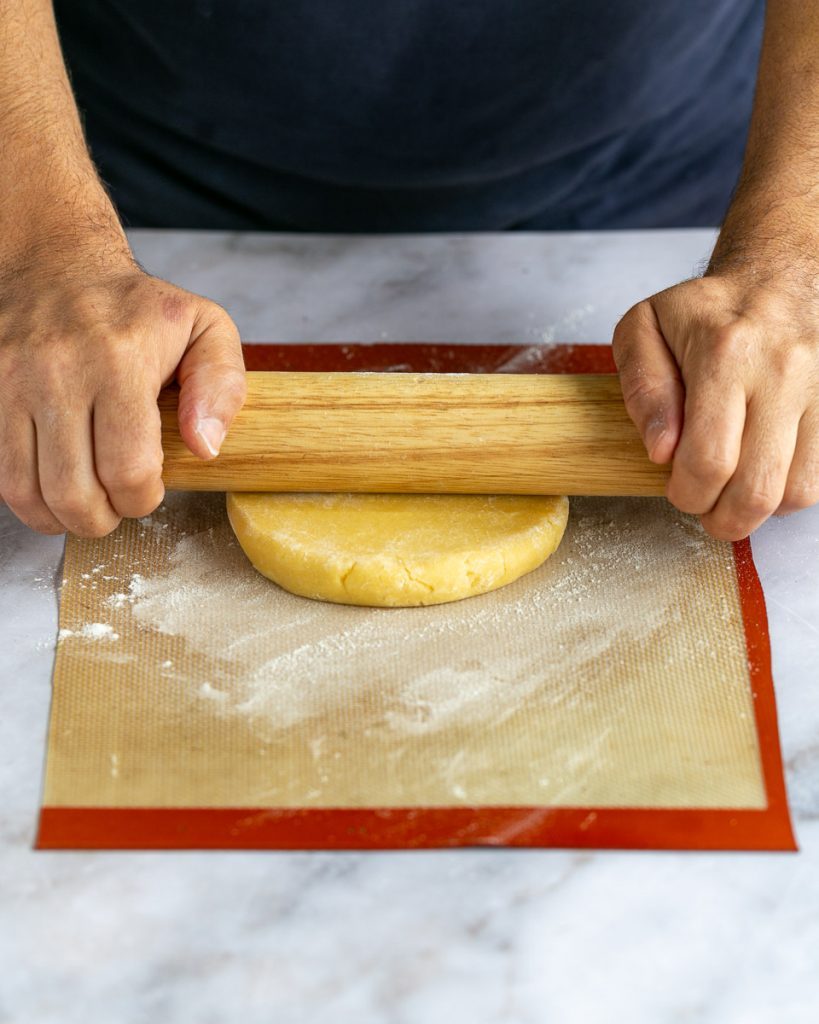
[[506, 936]]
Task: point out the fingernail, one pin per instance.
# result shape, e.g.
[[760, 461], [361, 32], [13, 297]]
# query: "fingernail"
[[212, 432]]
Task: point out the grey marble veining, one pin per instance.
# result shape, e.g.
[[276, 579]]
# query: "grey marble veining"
[[506, 936], [484, 289]]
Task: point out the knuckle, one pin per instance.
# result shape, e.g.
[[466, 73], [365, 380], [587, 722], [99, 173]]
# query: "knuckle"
[[30, 509], [625, 326], [622, 328], [42, 522], [730, 342], [716, 465], [116, 351], [725, 527], [235, 386], [684, 503], [85, 516], [801, 494], [759, 501], [21, 500], [143, 506], [220, 315], [688, 494], [84, 304], [53, 362], [779, 367], [135, 475], [10, 361], [790, 362], [68, 507], [642, 389], [707, 464]]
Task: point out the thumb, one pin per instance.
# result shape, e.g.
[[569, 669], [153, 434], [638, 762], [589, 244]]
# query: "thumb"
[[211, 379], [652, 387]]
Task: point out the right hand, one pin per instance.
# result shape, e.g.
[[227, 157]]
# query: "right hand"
[[84, 350]]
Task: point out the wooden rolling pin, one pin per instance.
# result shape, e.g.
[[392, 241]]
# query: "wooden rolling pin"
[[424, 433]]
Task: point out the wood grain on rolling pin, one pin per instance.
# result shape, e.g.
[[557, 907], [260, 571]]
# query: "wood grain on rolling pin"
[[456, 433]]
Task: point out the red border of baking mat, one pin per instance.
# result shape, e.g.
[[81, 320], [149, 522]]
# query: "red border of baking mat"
[[401, 828]]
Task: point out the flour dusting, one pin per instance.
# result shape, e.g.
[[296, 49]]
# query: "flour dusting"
[[282, 659], [615, 652], [90, 631]]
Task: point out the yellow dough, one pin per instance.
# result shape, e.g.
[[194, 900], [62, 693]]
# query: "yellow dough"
[[395, 550]]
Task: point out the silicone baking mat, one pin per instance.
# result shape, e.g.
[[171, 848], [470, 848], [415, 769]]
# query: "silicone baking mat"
[[619, 696]]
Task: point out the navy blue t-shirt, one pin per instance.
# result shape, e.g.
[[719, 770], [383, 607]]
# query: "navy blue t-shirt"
[[415, 115]]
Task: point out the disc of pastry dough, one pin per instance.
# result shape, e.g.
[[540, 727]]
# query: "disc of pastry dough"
[[395, 550]]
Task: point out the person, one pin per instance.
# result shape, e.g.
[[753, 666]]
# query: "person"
[[413, 115]]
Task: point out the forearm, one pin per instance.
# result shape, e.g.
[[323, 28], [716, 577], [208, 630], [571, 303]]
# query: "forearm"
[[52, 199], [775, 211]]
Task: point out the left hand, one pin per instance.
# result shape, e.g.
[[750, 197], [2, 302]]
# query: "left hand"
[[721, 374]]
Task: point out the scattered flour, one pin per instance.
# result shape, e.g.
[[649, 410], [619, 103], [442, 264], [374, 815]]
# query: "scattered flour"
[[545, 683], [567, 326], [90, 631], [282, 659]]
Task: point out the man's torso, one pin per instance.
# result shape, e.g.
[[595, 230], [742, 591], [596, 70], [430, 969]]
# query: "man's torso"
[[415, 115]]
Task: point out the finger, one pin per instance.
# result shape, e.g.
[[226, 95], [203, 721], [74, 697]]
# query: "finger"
[[802, 486], [19, 483], [709, 449], [211, 376], [128, 448], [650, 379], [68, 481], [756, 489]]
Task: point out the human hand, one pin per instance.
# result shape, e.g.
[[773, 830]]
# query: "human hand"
[[84, 350], [721, 374]]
